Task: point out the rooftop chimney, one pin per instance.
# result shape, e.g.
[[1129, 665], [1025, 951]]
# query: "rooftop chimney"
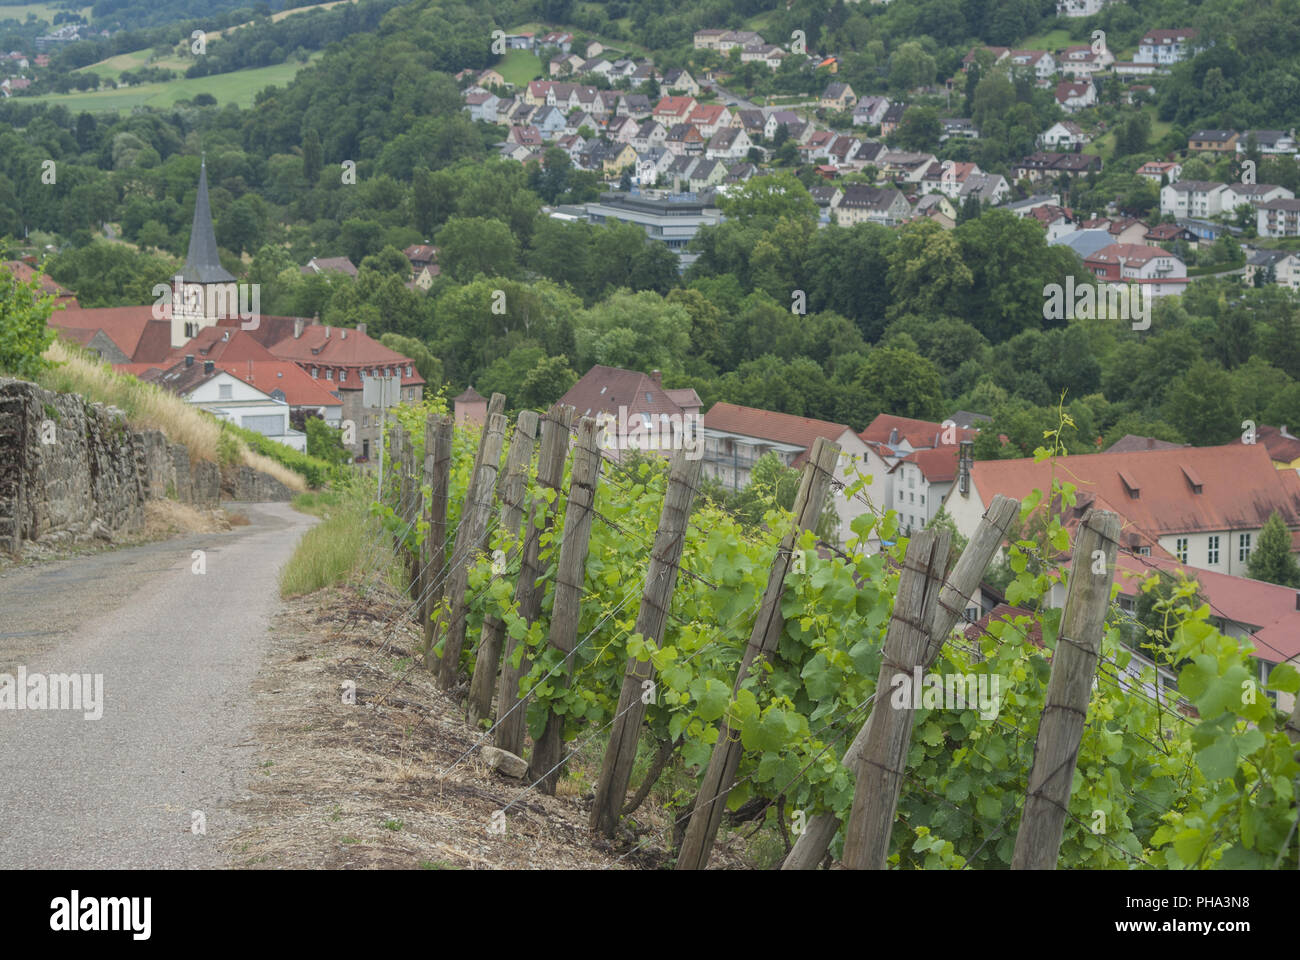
[[657, 377], [208, 365], [327, 331], [189, 359], [964, 462], [343, 333], [298, 323], [361, 328]]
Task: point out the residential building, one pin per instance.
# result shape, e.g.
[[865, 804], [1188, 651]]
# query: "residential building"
[[838, 96], [1253, 195], [230, 398], [959, 127], [1152, 267], [1192, 198], [1166, 47], [1282, 446], [1040, 63], [1043, 165], [1076, 95], [728, 144], [1161, 172], [863, 204], [1281, 267], [736, 438], [1278, 218], [1213, 141], [1063, 135], [1268, 142], [870, 111], [1204, 506]]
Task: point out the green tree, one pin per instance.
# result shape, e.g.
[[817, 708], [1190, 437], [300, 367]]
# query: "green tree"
[[325, 442], [24, 334], [468, 246], [1271, 560]]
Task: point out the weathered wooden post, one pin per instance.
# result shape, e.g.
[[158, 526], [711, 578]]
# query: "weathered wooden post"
[[638, 678], [884, 755], [470, 535], [1074, 668], [510, 491], [711, 801], [439, 433], [566, 610], [529, 589], [811, 846]]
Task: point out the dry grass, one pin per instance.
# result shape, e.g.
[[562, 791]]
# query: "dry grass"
[[146, 405], [294, 481], [149, 406], [377, 784], [167, 518]]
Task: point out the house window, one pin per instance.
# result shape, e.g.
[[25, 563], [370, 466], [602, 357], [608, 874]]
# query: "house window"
[[315, 372], [329, 373], [1144, 551], [923, 499], [1180, 549], [223, 391], [343, 376], [1243, 548], [900, 494], [388, 371], [408, 369], [1213, 557]]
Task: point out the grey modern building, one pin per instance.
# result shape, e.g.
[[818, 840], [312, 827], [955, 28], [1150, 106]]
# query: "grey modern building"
[[672, 219]]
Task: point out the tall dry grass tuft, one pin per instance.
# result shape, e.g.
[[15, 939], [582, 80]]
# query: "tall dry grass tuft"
[[149, 406], [294, 481], [146, 405]]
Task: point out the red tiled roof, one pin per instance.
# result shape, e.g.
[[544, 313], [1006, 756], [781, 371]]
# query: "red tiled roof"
[[1132, 443], [1240, 487], [937, 465], [604, 389], [299, 389], [919, 433], [323, 346], [769, 425], [1281, 449], [222, 343], [1269, 609], [133, 329], [25, 272]]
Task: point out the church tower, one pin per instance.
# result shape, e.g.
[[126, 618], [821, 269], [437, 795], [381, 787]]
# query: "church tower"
[[205, 291]]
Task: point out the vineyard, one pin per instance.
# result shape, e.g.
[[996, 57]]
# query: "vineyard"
[[570, 600]]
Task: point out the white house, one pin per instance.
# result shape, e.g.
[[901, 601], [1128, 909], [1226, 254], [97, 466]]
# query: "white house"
[[736, 438], [870, 111], [729, 143], [1253, 195], [1158, 170], [229, 398], [1076, 95], [1192, 198], [1152, 268], [1063, 135], [1041, 63], [1278, 218], [1166, 47]]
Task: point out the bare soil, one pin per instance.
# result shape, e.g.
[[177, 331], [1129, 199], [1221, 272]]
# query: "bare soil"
[[395, 780]]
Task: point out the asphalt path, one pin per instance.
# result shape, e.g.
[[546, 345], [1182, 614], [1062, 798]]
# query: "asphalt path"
[[147, 784]]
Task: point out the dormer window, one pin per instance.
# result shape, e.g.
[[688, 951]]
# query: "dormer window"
[[343, 376], [329, 374], [315, 372], [1193, 479], [1130, 485]]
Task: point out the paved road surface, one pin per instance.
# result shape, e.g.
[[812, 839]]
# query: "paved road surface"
[[177, 652]]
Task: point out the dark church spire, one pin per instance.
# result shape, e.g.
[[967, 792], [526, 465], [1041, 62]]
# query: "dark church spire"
[[201, 263]]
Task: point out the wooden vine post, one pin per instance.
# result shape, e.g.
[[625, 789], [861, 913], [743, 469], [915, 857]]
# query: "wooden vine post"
[[638, 678], [546, 759], [470, 537], [529, 589], [811, 846], [510, 491], [1074, 668], [438, 435], [884, 755], [711, 801]]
